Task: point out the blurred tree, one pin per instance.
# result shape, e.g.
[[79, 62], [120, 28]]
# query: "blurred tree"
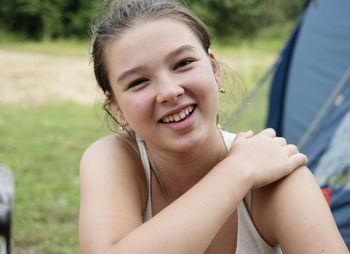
[[47, 19], [281, 11], [78, 17], [35, 18], [292, 8], [244, 18], [230, 18], [50, 19]]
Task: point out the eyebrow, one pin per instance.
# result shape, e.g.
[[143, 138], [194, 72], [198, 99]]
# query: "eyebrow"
[[140, 68], [179, 50], [131, 71]]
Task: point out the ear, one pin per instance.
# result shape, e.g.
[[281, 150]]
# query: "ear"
[[116, 110], [216, 68]]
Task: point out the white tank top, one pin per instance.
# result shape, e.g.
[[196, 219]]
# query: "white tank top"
[[249, 240]]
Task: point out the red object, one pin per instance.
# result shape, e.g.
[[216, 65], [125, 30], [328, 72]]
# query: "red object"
[[327, 192]]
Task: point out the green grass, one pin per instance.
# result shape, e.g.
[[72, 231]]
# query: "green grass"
[[62, 48], [243, 66], [252, 113], [256, 48], [43, 146], [71, 47]]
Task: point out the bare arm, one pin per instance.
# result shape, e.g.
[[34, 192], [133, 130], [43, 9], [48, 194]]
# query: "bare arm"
[[111, 210], [112, 200], [293, 212]]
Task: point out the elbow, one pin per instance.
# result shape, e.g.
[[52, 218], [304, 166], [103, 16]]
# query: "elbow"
[[106, 248], [93, 248]]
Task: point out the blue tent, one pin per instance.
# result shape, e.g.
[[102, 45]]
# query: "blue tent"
[[309, 100]]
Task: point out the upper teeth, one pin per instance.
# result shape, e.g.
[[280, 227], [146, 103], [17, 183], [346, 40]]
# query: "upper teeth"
[[178, 116]]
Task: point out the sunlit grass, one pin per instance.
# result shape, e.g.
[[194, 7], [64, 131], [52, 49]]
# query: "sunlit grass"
[[243, 66], [59, 47], [43, 146]]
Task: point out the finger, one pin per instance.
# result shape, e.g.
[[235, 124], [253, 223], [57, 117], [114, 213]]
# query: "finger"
[[268, 132], [298, 160], [280, 140], [247, 134], [291, 150]]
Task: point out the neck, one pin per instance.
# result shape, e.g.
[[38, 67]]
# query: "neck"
[[178, 172]]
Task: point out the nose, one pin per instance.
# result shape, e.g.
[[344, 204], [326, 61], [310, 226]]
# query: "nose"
[[169, 91]]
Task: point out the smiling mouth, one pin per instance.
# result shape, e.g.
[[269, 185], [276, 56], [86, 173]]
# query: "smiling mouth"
[[178, 117]]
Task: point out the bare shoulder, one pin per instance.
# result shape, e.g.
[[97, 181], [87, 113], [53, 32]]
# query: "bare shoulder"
[[294, 213], [109, 147], [113, 152], [113, 191], [112, 157]]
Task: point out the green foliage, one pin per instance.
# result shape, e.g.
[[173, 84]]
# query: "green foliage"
[[51, 19], [291, 8], [43, 19], [230, 18], [238, 19]]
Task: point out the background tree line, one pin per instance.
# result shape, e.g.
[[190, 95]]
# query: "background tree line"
[[51, 19]]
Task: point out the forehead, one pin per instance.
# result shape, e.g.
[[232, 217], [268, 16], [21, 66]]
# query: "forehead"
[[153, 37], [159, 29]]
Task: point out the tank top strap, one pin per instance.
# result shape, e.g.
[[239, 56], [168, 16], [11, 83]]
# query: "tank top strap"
[[145, 162], [248, 238], [228, 139]]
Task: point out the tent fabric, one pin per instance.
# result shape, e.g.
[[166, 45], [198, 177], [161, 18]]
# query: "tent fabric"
[[333, 169], [318, 63], [278, 88], [321, 136], [310, 99]]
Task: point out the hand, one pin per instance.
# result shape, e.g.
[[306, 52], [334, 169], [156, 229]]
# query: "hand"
[[265, 157]]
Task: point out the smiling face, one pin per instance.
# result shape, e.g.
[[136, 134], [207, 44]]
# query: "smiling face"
[[165, 84]]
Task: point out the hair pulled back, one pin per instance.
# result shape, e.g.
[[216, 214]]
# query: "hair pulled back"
[[122, 15]]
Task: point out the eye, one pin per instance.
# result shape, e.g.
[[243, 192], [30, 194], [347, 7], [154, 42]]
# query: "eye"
[[183, 63], [137, 82]]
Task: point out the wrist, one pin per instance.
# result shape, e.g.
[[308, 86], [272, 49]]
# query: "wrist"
[[238, 176]]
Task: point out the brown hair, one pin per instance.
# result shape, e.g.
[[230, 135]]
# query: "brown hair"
[[122, 15]]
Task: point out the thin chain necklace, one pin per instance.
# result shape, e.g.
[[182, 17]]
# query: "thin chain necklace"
[[155, 169]]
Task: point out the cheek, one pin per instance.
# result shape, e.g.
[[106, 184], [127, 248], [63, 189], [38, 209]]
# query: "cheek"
[[203, 85], [136, 108]]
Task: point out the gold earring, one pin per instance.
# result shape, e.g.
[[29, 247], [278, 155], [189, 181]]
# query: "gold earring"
[[221, 90]]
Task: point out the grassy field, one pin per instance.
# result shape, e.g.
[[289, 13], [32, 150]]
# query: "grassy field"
[[44, 131], [43, 145]]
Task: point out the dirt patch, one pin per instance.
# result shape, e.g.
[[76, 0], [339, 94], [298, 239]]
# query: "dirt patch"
[[33, 79]]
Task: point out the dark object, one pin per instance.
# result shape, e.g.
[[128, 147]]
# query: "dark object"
[[7, 187]]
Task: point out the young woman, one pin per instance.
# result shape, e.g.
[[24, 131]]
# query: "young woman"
[[174, 182]]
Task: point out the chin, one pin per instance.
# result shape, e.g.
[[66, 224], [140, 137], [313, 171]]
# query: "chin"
[[192, 141]]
